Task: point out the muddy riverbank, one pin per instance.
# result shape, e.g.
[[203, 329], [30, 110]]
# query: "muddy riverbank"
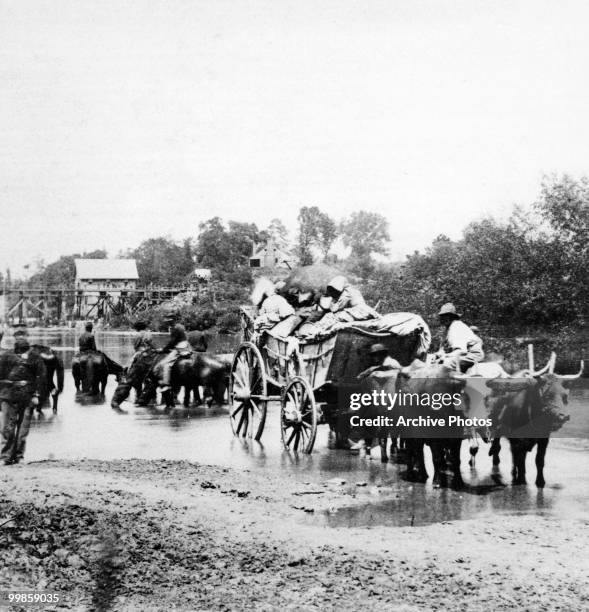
[[160, 535]]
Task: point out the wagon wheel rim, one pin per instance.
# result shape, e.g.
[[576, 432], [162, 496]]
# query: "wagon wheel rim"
[[298, 416], [248, 392]]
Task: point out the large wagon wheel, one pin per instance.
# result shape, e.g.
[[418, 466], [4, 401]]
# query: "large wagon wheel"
[[248, 392], [298, 416]]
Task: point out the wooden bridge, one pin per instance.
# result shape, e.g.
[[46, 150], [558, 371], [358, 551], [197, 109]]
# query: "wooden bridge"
[[46, 304]]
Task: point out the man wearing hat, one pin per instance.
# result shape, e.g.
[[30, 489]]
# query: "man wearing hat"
[[463, 348], [348, 304], [379, 360], [177, 345], [22, 376], [272, 307], [143, 340]]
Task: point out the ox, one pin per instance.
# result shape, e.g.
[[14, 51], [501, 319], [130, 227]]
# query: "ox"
[[419, 380], [526, 411]]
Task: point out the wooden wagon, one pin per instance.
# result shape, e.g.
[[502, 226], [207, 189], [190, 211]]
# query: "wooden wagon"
[[305, 376]]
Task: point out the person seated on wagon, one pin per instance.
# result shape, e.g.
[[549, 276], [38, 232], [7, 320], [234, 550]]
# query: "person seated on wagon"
[[272, 308], [347, 303], [380, 361], [462, 348]]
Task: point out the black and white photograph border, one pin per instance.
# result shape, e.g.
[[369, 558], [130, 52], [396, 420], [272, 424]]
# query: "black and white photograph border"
[[294, 305]]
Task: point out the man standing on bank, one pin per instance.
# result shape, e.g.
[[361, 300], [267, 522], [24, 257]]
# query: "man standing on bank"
[[22, 375]]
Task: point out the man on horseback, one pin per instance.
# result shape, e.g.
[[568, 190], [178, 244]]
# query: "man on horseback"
[[87, 342], [177, 345], [143, 340], [89, 351]]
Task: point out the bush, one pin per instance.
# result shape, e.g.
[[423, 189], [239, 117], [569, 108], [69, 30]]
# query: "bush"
[[228, 323]]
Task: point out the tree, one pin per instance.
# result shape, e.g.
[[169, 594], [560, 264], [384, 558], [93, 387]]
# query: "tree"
[[564, 205], [316, 230], [366, 233], [326, 234], [162, 261], [242, 237], [278, 234], [62, 272], [225, 249], [212, 248]]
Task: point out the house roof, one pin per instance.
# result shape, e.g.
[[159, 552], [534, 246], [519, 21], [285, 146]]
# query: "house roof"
[[112, 269], [261, 252], [282, 260]]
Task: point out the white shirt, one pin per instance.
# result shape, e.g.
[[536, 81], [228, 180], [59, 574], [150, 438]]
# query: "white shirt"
[[461, 337], [273, 309]]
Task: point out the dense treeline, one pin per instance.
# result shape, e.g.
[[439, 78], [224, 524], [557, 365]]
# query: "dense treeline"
[[529, 269]]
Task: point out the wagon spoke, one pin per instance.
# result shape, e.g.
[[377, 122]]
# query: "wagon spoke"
[[297, 439], [241, 420], [298, 394], [294, 431], [294, 401], [234, 412], [256, 407], [238, 374]]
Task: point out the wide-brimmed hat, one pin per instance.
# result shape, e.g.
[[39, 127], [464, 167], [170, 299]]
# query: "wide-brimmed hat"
[[448, 309], [337, 283]]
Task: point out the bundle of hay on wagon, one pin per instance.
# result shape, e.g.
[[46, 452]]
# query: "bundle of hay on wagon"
[[308, 358]]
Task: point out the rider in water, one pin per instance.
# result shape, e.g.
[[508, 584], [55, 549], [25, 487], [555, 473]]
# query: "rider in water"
[[178, 344], [87, 342]]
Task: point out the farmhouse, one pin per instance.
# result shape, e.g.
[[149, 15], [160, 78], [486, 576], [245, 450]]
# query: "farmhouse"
[[269, 258], [101, 283]]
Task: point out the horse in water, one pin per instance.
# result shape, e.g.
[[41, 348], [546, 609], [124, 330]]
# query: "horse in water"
[[54, 369], [190, 372], [91, 369]]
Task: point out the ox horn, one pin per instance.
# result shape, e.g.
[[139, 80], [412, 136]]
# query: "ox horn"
[[549, 367], [572, 376]]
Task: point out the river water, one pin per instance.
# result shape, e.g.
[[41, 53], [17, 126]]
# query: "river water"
[[87, 428]]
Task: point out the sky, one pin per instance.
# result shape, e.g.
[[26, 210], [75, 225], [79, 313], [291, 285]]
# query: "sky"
[[123, 120]]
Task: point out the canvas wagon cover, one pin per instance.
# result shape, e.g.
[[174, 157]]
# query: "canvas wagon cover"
[[342, 353]]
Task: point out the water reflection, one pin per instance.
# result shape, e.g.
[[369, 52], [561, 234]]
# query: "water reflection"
[[87, 427], [117, 345], [420, 504]]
